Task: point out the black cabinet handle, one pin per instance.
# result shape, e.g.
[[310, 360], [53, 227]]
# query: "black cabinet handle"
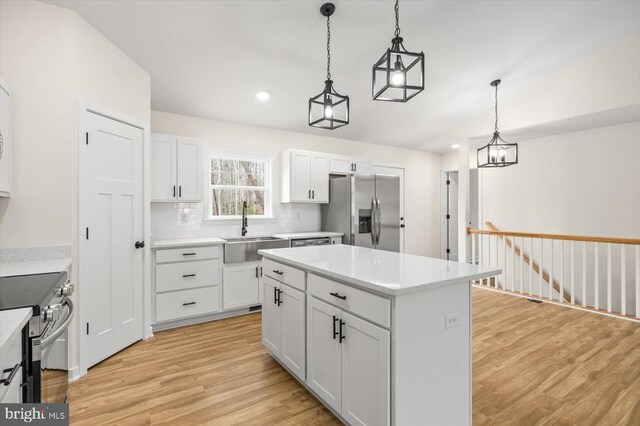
[[342, 336], [335, 332], [188, 254], [275, 271], [338, 296], [402, 225], [174, 190], [180, 191], [313, 194], [188, 275], [13, 371], [275, 296], [256, 272], [279, 297], [188, 303]]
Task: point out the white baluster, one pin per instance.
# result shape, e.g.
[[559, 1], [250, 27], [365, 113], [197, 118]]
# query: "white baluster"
[[513, 264], [623, 280], [506, 287], [521, 264], [573, 272], [473, 249], [609, 277], [551, 275], [531, 267], [497, 261], [561, 291], [584, 274], [596, 276], [637, 281], [540, 267]]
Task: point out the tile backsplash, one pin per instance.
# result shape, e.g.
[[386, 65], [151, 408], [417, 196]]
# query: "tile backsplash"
[[178, 220]]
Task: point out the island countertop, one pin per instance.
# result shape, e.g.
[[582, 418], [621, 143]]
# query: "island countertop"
[[377, 270]]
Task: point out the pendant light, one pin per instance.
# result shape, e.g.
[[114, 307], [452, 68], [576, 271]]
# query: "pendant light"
[[497, 153], [399, 74], [329, 109]]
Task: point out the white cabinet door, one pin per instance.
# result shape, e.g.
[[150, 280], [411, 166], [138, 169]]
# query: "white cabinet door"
[[336, 240], [365, 372], [189, 170], [300, 184], [363, 168], [240, 286], [270, 316], [292, 351], [341, 165], [320, 178], [163, 166], [13, 394], [324, 352], [5, 143]]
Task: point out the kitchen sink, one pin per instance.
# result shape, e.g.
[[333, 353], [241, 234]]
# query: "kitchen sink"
[[245, 249]]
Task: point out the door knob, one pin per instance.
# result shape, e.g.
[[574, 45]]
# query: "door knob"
[[139, 244]]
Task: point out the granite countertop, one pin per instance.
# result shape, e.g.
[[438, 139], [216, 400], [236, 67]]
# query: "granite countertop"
[[301, 235], [11, 322], [187, 242], [379, 271]]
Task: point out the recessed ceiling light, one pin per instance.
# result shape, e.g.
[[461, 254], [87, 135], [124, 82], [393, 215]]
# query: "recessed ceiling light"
[[455, 146], [263, 95]]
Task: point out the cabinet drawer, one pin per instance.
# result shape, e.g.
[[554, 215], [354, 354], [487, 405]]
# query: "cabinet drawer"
[[186, 303], [184, 275], [12, 393], [186, 253], [10, 356], [367, 305], [283, 273]]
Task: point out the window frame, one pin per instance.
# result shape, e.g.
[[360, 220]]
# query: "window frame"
[[267, 188]]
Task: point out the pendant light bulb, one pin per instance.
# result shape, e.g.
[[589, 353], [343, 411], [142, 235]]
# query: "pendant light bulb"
[[397, 75], [328, 107]]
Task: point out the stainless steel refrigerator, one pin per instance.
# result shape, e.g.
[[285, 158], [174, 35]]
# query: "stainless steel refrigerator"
[[366, 209]]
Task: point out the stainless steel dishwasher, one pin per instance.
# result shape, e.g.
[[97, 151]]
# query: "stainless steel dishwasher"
[[321, 241]]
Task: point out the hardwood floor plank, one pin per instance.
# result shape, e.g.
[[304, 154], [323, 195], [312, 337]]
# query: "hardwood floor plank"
[[533, 364]]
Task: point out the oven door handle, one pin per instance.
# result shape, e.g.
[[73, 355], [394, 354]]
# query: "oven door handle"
[[52, 338]]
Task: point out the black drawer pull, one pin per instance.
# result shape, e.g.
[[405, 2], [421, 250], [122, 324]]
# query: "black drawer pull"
[[13, 371], [188, 303], [278, 272], [335, 332], [188, 254], [338, 296], [188, 275]]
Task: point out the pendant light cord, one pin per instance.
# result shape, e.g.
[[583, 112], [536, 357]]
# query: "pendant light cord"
[[496, 130], [328, 47], [397, 9]]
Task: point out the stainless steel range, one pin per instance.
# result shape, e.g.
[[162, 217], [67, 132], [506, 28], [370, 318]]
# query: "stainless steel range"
[[44, 339]]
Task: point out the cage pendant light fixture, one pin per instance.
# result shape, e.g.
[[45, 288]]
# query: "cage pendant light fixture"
[[497, 153], [399, 74], [328, 109]]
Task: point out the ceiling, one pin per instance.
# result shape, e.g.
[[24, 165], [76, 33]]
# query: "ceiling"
[[208, 58]]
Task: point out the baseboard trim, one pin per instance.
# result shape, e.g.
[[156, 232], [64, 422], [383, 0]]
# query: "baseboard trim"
[[74, 373], [205, 318]]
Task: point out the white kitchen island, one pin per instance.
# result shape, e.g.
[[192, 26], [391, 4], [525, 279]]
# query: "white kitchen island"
[[381, 338]]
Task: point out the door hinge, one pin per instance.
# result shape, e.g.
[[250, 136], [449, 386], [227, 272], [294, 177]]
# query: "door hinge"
[[87, 233], [448, 182], [448, 216], [448, 251], [87, 329], [86, 138]]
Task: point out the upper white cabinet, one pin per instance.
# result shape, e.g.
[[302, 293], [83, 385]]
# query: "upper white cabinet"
[[349, 166], [5, 141], [305, 177], [176, 169]]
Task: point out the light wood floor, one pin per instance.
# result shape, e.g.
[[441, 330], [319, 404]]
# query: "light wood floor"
[[532, 364]]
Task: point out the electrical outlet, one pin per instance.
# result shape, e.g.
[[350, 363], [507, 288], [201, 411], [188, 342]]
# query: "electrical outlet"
[[451, 320]]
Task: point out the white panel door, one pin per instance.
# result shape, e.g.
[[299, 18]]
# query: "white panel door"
[[271, 316], [111, 206], [365, 372], [300, 184], [189, 174], [323, 351], [163, 168], [320, 166], [240, 286], [292, 330], [5, 143]]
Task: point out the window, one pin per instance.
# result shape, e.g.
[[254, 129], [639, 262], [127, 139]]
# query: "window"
[[234, 180]]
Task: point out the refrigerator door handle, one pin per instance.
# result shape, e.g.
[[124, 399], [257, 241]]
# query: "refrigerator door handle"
[[378, 221], [373, 222]]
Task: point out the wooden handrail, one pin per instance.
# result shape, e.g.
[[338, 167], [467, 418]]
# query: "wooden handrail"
[[527, 260], [612, 240]]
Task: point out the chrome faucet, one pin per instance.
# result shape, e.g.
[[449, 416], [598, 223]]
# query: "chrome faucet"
[[244, 218]]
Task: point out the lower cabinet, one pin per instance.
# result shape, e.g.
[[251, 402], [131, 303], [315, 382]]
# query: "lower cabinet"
[[283, 333], [348, 363], [241, 285]]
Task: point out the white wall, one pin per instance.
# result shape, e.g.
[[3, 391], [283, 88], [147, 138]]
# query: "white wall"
[[52, 59], [422, 178]]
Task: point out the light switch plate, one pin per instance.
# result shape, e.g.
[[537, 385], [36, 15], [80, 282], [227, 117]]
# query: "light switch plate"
[[451, 320]]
